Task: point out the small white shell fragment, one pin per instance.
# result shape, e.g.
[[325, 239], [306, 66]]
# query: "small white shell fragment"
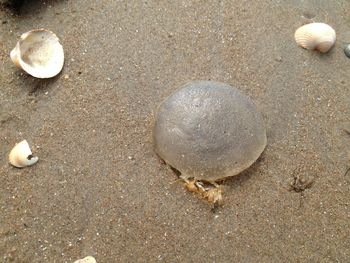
[[88, 259], [39, 53], [21, 155], [315, 36]]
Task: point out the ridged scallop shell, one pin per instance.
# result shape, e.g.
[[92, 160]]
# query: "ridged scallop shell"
[[21, 155], [315, 36], [39, 53]]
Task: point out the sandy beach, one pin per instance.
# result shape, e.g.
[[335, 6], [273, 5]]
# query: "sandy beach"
[[99, 189]]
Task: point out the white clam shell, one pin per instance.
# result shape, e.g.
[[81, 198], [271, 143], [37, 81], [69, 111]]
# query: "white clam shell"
[[39, 53], [315, 36], [21, 155], [88, 259]]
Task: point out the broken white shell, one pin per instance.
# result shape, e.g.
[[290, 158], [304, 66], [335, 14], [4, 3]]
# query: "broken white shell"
[[88, 259], [39, 53], [319, 36], [21, 155]]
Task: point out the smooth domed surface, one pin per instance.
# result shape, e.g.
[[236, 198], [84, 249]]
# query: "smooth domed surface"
[[347, 50], [209, 130]]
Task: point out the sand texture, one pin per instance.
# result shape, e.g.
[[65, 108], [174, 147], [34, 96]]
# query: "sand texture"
[[99, 189]]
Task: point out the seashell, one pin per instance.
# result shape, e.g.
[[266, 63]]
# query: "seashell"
[[209, 131], [88, 259], [39, 53], [347, 50], [21, 155], [315, 36]]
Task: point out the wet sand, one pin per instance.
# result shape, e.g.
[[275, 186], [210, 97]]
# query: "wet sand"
[[99, 189]]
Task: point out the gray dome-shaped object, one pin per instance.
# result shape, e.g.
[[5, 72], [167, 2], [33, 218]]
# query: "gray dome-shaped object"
[[208, 131]]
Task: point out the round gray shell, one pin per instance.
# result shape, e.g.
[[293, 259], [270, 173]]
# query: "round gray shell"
[[347, 50], [208, 131]]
